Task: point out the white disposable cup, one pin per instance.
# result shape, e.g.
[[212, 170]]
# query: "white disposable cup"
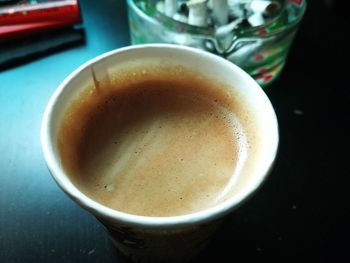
[[175, 238]]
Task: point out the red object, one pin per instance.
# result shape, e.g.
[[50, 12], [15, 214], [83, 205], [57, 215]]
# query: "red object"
[[13, 31], [24, 19], [57, 10], [259, 57], [298, 2], [265, 78], [262, 70], [262, 32]]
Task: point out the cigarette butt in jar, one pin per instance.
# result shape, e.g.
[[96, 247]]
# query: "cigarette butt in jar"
[[197, 15], [160, 7], [220, 11], [170, 7], [259, 6], [256, 19]]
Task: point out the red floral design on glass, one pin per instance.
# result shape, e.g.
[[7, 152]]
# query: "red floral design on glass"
[[262, 70], [298, 2], [259, 57], [262, 32], [265, 78]]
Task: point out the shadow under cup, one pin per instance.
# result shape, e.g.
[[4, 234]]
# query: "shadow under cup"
[[173, 238]]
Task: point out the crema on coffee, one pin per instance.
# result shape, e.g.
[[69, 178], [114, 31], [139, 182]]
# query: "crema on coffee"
[[155, 141]]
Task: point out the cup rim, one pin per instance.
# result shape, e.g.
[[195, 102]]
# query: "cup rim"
[[112, 215]]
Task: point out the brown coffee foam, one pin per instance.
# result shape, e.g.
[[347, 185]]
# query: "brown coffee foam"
[[172, 147]]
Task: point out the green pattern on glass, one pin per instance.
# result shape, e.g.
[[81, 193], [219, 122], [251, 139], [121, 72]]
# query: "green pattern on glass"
[[261, 50]]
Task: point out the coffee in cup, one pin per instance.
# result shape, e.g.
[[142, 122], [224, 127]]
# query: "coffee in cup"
[[156, 141], [159, 143]]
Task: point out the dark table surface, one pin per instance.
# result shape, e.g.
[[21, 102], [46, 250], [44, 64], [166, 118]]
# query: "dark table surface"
[[302, 210]]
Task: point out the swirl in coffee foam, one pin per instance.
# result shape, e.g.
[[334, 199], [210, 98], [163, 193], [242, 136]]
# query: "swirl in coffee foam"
[[155, 142]]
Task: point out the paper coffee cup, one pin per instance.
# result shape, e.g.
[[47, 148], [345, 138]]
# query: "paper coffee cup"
[[176, 238]]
